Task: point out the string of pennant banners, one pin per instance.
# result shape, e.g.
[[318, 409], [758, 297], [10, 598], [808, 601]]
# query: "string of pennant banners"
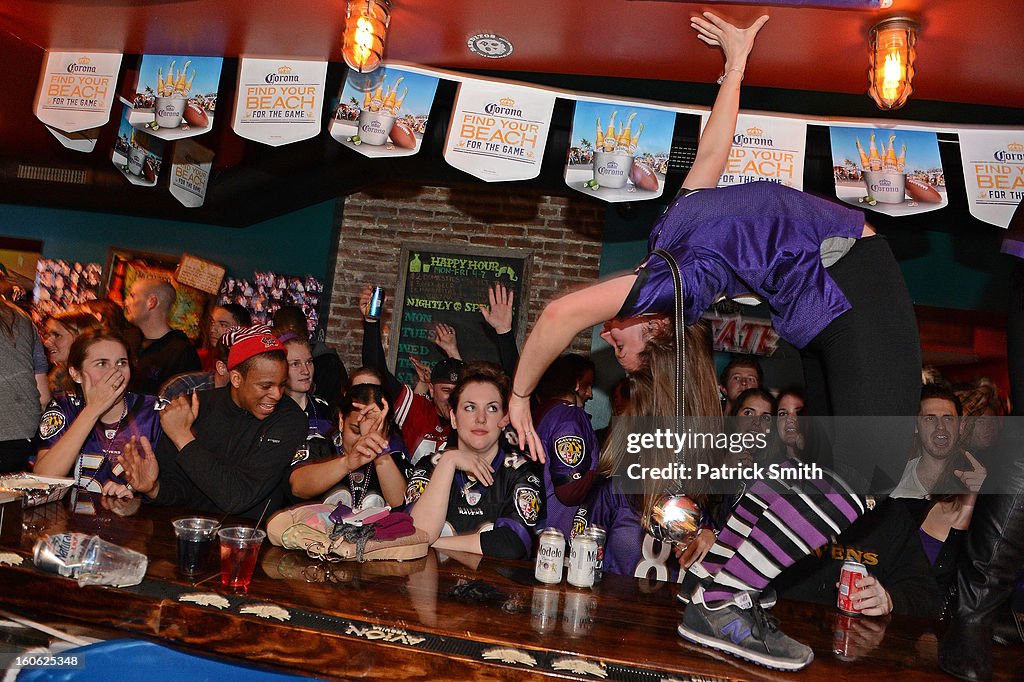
[[498, 130]]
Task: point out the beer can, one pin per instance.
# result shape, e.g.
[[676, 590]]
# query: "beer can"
[[544, 610], [849, 575], [578, 616], [550, 556], [600, 537], [61, 553], [376, 304], [582, 560]]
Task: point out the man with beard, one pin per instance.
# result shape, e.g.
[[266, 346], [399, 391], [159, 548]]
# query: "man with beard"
[[939, 425]]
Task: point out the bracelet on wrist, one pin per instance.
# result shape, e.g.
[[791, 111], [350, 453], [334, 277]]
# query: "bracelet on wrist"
[[520, 395], [721, 78]]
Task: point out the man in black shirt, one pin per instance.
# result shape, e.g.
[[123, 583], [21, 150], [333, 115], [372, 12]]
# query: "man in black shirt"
[[165, 351], [226, 450]]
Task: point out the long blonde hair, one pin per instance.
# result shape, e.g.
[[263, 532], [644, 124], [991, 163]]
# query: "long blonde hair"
[[653, 394]]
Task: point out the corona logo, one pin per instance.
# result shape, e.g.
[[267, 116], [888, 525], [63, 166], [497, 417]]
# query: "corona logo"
[[507, 102], [284, 69], [1015, 147], [84, 60], [502, 109], [755, 132]]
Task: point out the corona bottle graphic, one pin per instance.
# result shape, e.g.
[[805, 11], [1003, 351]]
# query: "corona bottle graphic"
[[623, 140], [609, 136], [635, 140], [874, 160], [599, 144], [863, 156], [890, 155], [901, 161]]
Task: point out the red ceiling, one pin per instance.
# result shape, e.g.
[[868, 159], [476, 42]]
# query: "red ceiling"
[[968, 49]]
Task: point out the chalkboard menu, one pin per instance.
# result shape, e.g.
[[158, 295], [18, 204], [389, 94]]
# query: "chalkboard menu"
[[450, 285]]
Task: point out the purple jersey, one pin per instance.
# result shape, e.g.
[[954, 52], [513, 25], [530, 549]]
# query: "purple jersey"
[[759, 238], [629, 549], [514, 500], [99, 453], [571, 445]]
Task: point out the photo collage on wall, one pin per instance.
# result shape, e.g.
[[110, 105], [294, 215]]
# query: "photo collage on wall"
[[266, 292]]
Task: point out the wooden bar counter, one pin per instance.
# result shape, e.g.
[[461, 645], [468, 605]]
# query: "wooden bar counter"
[[437, 618]]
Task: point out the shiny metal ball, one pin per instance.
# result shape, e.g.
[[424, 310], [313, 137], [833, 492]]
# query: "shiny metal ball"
[[675, 519]]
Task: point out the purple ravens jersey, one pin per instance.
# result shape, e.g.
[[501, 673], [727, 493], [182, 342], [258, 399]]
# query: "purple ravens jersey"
[[629, 549], [572, 451], [515, 500], [97, 462]]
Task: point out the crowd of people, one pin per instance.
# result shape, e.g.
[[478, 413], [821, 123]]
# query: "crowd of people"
[[484, 455]]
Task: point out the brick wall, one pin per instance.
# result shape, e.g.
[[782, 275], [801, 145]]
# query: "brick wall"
[[564, 234]]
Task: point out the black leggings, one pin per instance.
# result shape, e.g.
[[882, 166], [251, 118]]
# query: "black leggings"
[[868, 362]]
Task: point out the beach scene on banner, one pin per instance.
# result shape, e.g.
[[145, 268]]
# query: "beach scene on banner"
[[619, 152], [383, 113], [892, 171], [176, 95]]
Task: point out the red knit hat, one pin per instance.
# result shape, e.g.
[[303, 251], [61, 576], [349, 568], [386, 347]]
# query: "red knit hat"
[[245, 342]]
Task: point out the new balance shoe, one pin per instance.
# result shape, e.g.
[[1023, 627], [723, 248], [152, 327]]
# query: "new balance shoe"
[[742, 628]]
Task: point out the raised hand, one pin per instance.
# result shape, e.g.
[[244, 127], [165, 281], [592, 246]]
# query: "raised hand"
[[445, 338], [177, 418], [141, 469], [736, 43], [498, 312], [975, 477]]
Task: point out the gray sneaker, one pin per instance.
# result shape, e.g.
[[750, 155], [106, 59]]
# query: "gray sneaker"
[[743, 629]]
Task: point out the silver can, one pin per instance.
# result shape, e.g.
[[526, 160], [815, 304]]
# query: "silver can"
[[600, 537], [544, 609], [582, 560], [61, 553], [578, 616], [550, 556], [376, 304]]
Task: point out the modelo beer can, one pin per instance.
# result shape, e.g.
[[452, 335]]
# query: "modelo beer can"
[[376, 304], [61, 553], [544, 610], [849, 575], [550, 556], [578, 616], [599, 536], [582, 560]]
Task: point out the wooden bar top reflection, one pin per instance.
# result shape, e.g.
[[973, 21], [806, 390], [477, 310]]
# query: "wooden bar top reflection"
[[440, 617]]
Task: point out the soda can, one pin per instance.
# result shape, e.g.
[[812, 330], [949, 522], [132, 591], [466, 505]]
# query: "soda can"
[[544, 610], [550, 557], [61, 553], [849, 575], [376, 304], [582, 560], [578, 616], [600, 536]]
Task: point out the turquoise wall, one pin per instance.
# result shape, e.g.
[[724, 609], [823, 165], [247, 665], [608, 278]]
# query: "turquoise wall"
[[298, 243]]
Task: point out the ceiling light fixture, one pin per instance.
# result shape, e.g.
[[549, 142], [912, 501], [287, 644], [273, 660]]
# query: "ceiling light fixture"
[[891, 68], [366, 29]]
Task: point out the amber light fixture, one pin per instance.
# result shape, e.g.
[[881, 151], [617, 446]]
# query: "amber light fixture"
[[366, 30], [892, 61]]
